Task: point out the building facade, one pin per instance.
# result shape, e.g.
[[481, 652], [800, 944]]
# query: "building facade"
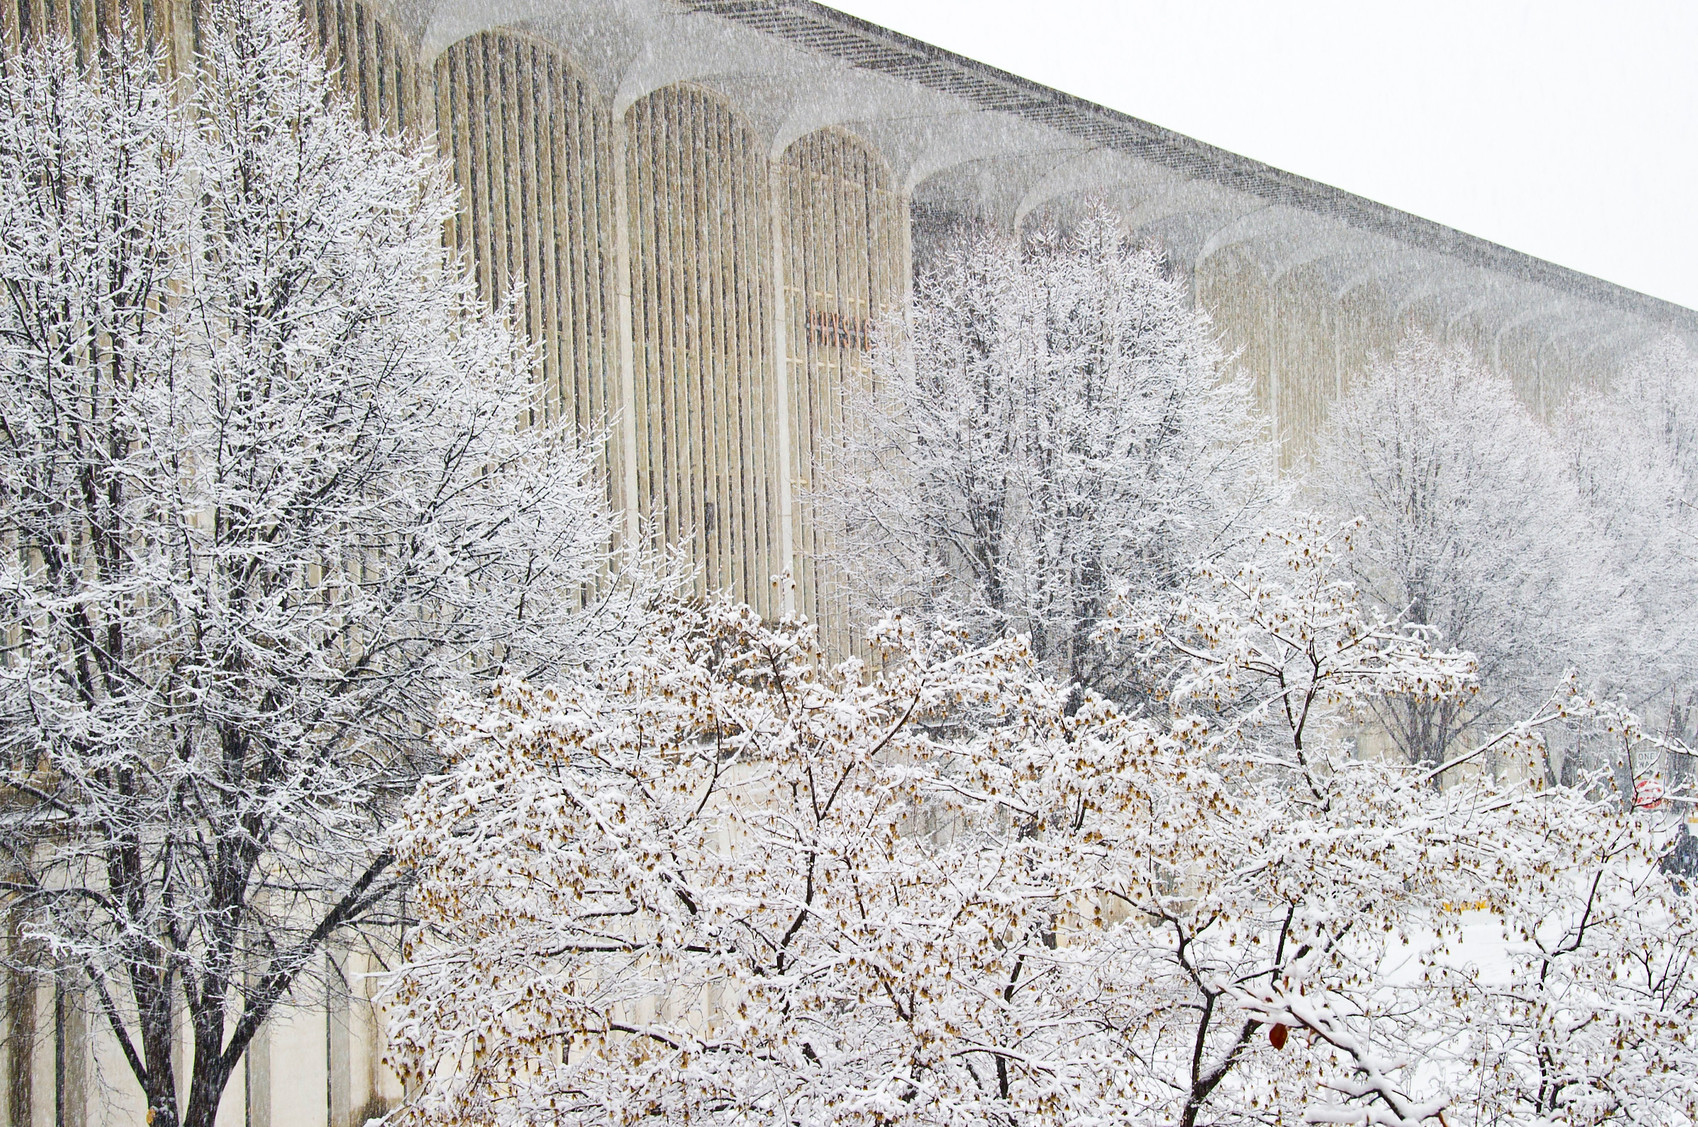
[[706, 206]]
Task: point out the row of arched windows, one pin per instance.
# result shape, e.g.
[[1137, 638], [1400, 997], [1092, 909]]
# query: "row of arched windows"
[[752, 285], [751, 288]]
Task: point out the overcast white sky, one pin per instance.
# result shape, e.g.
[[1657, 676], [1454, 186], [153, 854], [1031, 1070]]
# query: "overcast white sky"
[[1562, 128]]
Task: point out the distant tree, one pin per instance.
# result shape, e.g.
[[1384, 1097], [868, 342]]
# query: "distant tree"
[[1053, 424], [264, 497], [1633, 451], [1470, 527]]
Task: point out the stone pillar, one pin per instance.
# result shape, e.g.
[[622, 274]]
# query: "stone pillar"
[[181, 1037], [338, 1097], [257, 1078], [624, 465], [70, 1058]]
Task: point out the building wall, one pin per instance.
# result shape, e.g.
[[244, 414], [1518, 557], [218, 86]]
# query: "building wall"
[[87, 22]]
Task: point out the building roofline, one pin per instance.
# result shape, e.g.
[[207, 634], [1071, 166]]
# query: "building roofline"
[[870, 47]]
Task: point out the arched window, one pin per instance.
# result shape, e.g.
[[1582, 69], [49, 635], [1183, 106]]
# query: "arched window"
[[845, 265], [706, 457], [374, 61], [529, 142]]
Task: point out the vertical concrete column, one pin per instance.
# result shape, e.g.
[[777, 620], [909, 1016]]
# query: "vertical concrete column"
[[180, 1036], [1270, 326], [905, 209], [43, 1058], [781, 389], [257, 1078], [1541, 378], [20, 1037], [70, 1057], [1336, 334], [338, 1094], [625, 330], [181, 29]]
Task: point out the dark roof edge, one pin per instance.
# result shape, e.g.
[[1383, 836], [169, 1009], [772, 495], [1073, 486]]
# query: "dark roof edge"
[[870, 47]]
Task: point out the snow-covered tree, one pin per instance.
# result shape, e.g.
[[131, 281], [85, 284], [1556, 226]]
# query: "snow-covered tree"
[[1272, 862], [1051, 421], [1569, 994], [1633, 451], [1470, 526], [263, 497], [1498, 950], [718, 883], [714, 882]]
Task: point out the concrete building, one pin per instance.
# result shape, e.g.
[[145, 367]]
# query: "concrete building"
[[708, 202]]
